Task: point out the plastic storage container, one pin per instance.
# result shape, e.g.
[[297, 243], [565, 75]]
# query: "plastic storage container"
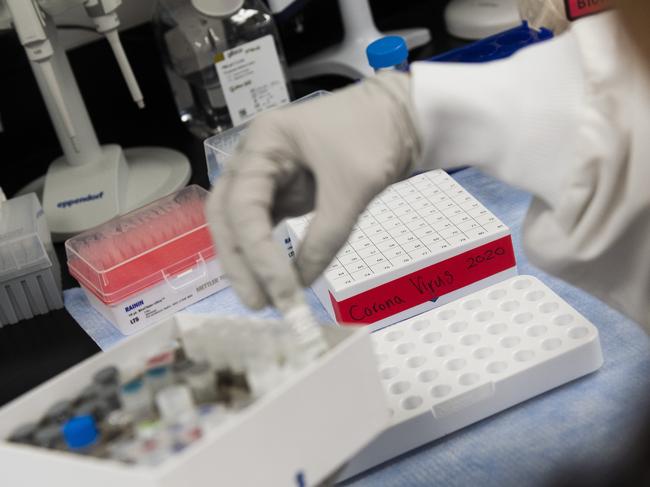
[[296, 434], [420, 244], [143, 266], [223, 59], [30, 276]]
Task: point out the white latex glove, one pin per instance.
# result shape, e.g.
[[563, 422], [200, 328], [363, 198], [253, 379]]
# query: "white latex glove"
[[332, 155]]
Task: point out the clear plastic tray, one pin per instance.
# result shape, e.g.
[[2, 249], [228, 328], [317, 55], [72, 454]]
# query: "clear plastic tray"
[[220, 147], [138, 250], [24, 237]]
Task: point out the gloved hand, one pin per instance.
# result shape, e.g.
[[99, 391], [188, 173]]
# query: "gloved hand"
[[332, 155]]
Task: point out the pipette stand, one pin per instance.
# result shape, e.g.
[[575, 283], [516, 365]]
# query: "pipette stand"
[[90, 183], [349, 58]]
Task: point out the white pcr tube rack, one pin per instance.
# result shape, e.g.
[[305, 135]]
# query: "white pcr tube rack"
[[453, 366], [420, 244]]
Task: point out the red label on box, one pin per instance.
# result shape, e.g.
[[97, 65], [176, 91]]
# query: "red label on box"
[[576, 9], [427, 284]]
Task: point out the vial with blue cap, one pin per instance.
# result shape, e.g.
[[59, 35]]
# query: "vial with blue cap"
[[81, 435], [388, 53]]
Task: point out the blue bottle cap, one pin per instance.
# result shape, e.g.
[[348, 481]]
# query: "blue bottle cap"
[[80, 432], [387, 51]]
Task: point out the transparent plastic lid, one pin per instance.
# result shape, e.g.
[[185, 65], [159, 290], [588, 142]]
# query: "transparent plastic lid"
[[24, 237], [147, 246], [220, 147]]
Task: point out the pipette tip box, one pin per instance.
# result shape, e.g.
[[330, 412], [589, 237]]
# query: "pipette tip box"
[[422, 243], [30, 276], [454, 366], [150, 263], [296, 434]]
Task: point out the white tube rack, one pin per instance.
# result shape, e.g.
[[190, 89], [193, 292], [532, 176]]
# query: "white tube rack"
[[456, 365]]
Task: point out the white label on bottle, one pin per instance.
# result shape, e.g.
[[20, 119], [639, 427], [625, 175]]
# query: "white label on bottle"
[[252, 79]]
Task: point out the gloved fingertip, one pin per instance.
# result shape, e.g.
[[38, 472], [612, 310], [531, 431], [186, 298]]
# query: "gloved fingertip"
[[309, 268], [253, 300]]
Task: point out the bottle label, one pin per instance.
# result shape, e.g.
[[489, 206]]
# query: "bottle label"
[[252, 79]]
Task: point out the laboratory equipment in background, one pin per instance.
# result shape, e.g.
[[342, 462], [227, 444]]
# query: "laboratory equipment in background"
[[477, 19], [223, 59], [420, 244], [388, 53], [349, 57], [30, 276], [90, 183], [204, 400], [150, 263], [475, 357]]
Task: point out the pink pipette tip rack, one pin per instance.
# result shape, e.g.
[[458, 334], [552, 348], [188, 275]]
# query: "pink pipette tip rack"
[[143, 266]]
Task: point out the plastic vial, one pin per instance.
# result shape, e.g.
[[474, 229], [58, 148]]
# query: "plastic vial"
[[165, 357], [110, 394], [174, 402], [223, 59], [154, 444], [212, 416], [59, 412], [24, 433], [135, 397], [388, 53], [80, 434], [107, 376], [118, 424], [180, 367], [202, 382], [158, 378], [48, 436], [90, 392], [97, 408]]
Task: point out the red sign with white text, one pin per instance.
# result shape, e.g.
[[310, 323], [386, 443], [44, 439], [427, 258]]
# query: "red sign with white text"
[[576, 9], [426, 284]]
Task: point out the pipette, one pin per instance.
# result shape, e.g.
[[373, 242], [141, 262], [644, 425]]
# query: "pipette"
[[106, 21], [29, 24]]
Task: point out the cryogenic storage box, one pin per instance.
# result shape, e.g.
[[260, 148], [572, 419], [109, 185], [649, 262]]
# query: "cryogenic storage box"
[[422, 243], [451, 367], [144, 266], [296, 434], [30, 276]]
